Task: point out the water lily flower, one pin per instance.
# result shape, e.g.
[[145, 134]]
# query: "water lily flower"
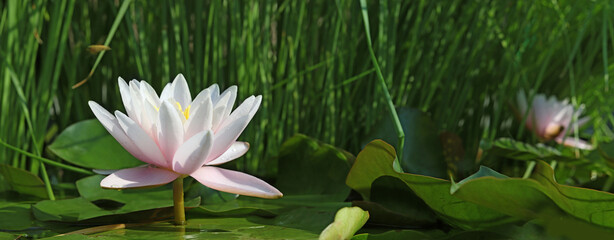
[[551, 119], [178, 136]]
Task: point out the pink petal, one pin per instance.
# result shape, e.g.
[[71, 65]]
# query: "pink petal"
[[110, 123], [193, 153], [170, 130], [235, 182], [138, 177], [142, 141], [236, 150]]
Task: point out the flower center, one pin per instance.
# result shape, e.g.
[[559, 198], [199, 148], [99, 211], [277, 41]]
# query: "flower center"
[[185, 112]]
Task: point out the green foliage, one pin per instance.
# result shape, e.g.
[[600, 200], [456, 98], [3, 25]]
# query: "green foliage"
[[509, 148], [23, 182], [376, 161], [89, 145], [454, 66], [539, 196], [318, 168]]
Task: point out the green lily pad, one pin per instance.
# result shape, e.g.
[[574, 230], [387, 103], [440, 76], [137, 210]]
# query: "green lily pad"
[[539, 196], [202, 228], [81, 210], [96, 202], [15, 216], [348, 221], [88, 144], [393, 203], [394, 235], [376, 160], [307, 166], [23, 182], [422, 150], [510, 148]]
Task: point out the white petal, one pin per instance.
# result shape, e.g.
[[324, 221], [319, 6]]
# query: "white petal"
[[214, 90], [234, 125], [124, 91], [110, 123], [202, 96], [217, 116], [146, 145], [235, 182], [150, 94], [150, 120], [193, 153], [167, 92], [138, 177], [236, 150], [137, 101], [170, 130], [232, 93], [181, 92], [200, 119]]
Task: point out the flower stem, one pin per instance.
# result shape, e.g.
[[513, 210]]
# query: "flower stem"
[[178, 200]]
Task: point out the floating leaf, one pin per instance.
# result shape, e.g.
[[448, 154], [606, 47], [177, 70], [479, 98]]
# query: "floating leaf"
[[421, 139], [348, 221], [393, 203], [509, 148], [393, 235], [307, 166], [97, 202], [80, 209], [23, 182], [202, 228], [376, 159], [15, 216], [539, 196], [89, 145]]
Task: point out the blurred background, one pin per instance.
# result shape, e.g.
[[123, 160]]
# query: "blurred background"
[[460, 62]]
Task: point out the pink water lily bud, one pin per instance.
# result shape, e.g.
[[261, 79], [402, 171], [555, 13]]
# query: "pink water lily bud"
[[177, 135], [551, 119]]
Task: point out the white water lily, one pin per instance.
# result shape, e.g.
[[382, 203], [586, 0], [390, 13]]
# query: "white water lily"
[[179, 136], [550, 119]]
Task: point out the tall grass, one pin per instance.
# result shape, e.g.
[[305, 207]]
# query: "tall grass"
[[460, 61]]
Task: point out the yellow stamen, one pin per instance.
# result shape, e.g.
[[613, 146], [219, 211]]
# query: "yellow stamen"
[[186, 113]]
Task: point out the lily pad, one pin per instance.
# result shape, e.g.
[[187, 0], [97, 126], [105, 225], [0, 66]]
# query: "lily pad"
[[307, 166], [88, 144], [201, 228], [539, 196], [393, 235], [16, 216], [394, 204], [376, 160], [96, 202], [23, 182]]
